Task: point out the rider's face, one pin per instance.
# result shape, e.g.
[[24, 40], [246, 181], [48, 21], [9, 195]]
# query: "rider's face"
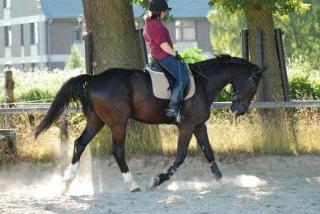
[[163, 14]]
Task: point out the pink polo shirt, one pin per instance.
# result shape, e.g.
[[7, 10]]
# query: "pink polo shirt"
[[155, 33]]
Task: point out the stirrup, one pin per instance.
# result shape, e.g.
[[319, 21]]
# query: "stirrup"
[[178, 117], [171, 113]]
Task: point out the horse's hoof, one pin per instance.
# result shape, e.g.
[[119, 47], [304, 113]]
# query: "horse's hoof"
[[154, 182], [215, 171], [65, 187], [217, 177], [136, 190]]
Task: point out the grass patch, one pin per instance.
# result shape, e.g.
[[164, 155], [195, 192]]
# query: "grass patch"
[[249, 135], [38, 85]]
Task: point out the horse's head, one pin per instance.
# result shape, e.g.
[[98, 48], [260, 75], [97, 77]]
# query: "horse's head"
[[243, 75], [245, 86]]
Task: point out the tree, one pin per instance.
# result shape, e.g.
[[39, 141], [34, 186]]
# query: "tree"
[[75, 61], [115, 39], [302, 32], [259, 15], [225, 31], [115, 43]]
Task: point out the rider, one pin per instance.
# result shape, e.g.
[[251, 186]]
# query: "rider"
[[158, 39]]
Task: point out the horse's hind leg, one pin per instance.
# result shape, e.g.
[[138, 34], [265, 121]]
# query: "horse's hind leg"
[[94, 124], [185, 134], [201, 135], [118, 142]]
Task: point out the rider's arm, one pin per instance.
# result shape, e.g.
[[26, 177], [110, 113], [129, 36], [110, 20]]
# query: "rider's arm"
[[166, 47]]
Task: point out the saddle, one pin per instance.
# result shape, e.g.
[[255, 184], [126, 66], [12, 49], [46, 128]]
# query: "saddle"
[[163, 82]]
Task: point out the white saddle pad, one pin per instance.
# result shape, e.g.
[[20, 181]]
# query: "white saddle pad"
[[160, 85]]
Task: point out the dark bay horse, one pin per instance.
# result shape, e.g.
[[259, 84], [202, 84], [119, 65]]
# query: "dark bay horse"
[[118, 94]]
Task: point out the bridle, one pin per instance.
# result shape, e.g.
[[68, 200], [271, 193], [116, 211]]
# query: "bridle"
[[254, 76]]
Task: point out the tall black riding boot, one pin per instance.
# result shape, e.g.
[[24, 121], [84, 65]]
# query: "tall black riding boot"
[[175, 99]]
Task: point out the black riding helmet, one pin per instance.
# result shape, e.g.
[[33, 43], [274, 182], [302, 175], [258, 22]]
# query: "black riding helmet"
[[158, 5]]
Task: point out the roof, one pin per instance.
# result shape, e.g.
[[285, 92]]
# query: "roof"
[[62, 9], [72, 9], [182, 9]]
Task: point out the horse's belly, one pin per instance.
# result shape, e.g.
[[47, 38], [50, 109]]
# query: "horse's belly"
[[145, 106], [151, 112]]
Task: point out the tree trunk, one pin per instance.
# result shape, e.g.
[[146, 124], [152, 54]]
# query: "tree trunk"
[[274, 125], [115, 39], [258, 18], [115, 43]]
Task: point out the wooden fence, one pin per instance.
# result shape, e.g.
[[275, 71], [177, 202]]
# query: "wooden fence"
[[43, 108]]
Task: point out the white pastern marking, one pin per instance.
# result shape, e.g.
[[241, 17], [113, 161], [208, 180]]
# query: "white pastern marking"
[[71, 172], [130, 182]]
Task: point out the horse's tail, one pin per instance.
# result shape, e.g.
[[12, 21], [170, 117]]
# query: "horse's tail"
[[75, 89]]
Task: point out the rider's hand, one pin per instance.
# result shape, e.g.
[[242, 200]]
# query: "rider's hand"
[[178, 56]]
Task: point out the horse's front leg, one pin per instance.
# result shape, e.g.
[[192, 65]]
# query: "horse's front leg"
[[185, 134], [201, 135]]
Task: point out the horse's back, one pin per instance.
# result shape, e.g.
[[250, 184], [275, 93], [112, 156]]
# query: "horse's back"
[[112, 80], [110, 92], [126, 92]]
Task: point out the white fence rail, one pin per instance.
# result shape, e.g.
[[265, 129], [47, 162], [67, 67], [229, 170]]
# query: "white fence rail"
[[269, 105], [42, 108]]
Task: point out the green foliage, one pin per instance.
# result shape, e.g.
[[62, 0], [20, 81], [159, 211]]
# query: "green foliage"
[[143, 3], [224, 95], [193, 55], [225, 31], [279, 6], [36, 94], [304, 78], [302, 88], [75, 61], [302, 32], [38, 85]]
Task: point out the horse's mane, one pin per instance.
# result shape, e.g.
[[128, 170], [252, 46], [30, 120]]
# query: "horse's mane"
[[215, 64], [223, 59]]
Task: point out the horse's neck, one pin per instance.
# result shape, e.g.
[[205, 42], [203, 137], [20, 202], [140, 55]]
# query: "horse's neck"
[[219, 80]]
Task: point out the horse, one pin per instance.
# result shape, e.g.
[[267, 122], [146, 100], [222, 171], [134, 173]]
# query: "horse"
[[119, 94]]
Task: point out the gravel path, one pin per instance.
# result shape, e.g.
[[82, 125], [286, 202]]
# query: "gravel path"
[[256, 185]]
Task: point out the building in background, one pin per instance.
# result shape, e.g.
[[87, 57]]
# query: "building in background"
[[40, 33]]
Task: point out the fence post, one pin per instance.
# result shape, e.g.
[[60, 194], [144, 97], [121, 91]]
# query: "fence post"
[[64, 135], [282, 64], [64, 138], [9, 96], [9, 86], [260, 62], [245, 44]]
